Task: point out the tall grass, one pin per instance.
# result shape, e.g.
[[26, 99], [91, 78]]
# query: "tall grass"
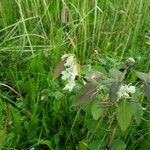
[[33, 36], [115, 27]]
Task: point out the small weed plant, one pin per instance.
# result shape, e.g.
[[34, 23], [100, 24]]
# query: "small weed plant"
[[105, 96]]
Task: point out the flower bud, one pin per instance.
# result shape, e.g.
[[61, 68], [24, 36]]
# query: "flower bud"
[[129, 62]]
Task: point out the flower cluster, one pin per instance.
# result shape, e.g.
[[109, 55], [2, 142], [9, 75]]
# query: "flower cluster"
[[125, 90], [70, 72]]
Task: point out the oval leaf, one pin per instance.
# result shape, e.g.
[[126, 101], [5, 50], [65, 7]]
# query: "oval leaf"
[[58, 69], [82, 146], [86, 94], [118, 144], [113, 90], [99, 68], [143, 76], [147, 89], [96, 110], [115, 73], [137, 112], [124, 114], [47, 143], [94, 75]]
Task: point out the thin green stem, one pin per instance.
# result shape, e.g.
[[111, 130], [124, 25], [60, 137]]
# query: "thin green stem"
[[97, 126], [74, 122]]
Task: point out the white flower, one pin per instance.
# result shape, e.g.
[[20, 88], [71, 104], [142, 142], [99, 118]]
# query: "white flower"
[[65, 75], [69, 86], [69, 61], [131, 89], [42, 97], [70, 72], [66, 56], [125, 90]]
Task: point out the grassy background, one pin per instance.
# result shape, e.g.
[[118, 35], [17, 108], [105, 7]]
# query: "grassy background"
[[33, 36]]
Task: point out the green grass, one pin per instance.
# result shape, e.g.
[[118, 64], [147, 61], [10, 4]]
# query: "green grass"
[[33, 37]]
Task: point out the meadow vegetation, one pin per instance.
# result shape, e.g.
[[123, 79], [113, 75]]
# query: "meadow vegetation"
[[35, 111]]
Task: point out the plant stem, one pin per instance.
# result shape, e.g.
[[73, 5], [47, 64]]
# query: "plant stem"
[[76, 117], [107, 132], [97, 126]]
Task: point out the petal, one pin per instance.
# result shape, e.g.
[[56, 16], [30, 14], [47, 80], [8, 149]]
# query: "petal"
[[131, 89], [123, 91], [65, 56], [69, 61], [126, 95], [70, 85], [65, 75]]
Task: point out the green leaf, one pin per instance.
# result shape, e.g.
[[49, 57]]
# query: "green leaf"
[[99, 68], [47, 143], [148, 42], [86, 94], [143, 76], [94, 145], [144, 145], [58, 95], [113, 90], [118, 145], [58, 69], [147, 89], [94, 75], [124, 114], [87, 109], [90, 124], [115, 73], [59, 37], [2, 137], [96, 110], [137, 112], [82, 146]]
